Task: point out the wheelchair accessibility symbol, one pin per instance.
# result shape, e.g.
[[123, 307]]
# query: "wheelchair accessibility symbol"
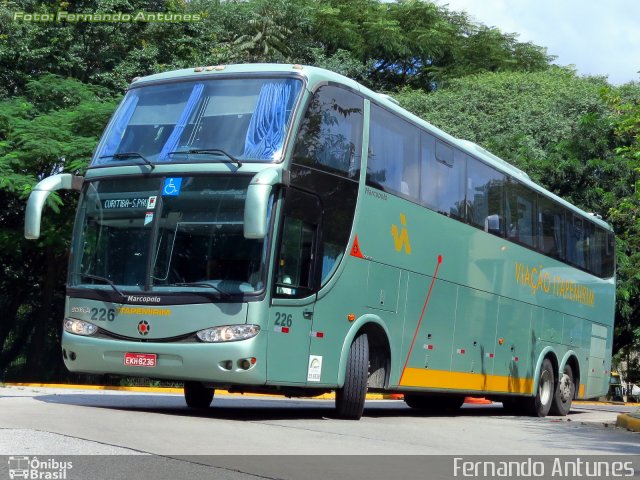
[[172, 187]]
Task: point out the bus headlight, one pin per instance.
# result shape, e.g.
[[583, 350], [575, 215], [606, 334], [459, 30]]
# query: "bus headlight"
[[228, 333], [78, 327]]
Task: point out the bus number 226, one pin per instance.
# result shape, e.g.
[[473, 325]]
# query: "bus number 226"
[[283, 319]]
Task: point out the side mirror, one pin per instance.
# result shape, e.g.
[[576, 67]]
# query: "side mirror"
[[62, 181], [257, 202]]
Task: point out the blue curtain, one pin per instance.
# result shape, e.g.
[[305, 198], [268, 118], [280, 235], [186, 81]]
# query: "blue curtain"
[[266, 131], [174, 138], [125, 112]]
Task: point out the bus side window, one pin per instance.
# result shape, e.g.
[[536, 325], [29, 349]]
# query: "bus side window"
[[551, 228], [520, 214], [442, 177], [484, 197], [577, 241], [330, 138], [295, 264], [296, 270], [394, 163]]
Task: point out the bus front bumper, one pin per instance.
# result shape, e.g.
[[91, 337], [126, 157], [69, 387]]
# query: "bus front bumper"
[[218, 363]]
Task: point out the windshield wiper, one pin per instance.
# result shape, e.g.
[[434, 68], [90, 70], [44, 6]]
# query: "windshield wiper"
[[212, 151], [203, 284], [105, 280], [125, 155]]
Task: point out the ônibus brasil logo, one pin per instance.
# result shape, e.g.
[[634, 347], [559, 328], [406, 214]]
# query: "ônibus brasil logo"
[[34, 468]]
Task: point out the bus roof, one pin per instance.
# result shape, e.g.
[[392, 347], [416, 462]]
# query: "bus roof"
[[315, 75]]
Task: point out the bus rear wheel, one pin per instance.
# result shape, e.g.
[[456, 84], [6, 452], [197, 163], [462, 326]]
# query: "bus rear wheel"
[[434, 403], [350, 398], [540, 404], [197, 395], [564, 393]]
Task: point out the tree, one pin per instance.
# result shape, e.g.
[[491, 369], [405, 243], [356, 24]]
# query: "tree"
[[267, 39], [53, 128], [625, 216], [59, 82]]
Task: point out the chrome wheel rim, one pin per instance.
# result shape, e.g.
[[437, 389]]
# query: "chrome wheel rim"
[[544, 389], [566, 390]]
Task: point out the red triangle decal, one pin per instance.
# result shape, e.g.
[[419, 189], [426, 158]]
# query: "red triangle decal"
[[355, 250]]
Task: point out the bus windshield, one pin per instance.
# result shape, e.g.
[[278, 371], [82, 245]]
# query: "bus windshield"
[[201, 120], [167, 234]]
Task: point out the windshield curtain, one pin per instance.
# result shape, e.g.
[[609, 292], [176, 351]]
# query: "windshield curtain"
[[245, 118], [167, 234]]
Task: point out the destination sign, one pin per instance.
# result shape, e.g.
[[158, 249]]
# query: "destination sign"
[[126, 203]]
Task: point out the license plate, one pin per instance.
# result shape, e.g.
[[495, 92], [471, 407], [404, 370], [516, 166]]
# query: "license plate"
[[140, 359]]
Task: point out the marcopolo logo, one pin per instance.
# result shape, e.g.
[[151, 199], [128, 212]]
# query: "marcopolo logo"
[[34, 468], [144, 328], [142, 299]]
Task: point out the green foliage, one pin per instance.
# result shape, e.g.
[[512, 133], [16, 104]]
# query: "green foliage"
[[625, 215], [59, 83], [406, 43], [52, 128], [418, 43]]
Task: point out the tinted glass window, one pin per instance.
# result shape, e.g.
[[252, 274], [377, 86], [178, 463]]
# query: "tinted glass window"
[[443, 177], [484, 197], [247, 118], [520, 213], [338, 197], [551, 228], [577, 241], [139, 231], [296, 269], [330, 138], [394, 163], [608, 261]]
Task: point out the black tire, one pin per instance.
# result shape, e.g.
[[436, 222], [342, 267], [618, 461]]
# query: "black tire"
[[564, 393], [350, 398], [434, 403], [540, 404], [197, 395]]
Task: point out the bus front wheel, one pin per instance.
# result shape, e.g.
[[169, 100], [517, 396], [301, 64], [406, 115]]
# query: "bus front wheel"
[[564, 393], [197, 395], [540, 404], [350, 398]]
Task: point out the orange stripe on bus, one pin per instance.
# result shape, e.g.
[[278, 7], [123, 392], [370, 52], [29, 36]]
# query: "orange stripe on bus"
[[417, 377]]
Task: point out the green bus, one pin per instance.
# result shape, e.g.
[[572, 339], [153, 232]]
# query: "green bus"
[[283, 229]]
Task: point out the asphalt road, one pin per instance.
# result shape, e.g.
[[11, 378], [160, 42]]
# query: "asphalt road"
[[41, 421]]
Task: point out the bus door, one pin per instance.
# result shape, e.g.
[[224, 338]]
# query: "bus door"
[[294, 289]]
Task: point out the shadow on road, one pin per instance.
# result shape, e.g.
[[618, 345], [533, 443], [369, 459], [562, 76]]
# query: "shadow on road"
[[261, 409]]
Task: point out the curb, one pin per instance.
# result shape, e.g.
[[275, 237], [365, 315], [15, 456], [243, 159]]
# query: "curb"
[[594, 402], [630, 422]]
